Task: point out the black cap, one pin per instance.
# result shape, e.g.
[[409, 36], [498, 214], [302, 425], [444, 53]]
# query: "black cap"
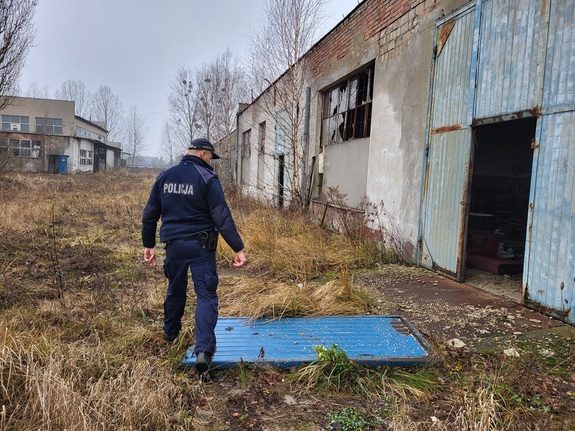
[[203, 144]]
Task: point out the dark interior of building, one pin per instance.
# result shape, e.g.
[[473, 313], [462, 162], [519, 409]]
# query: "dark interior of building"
[[499, 201]]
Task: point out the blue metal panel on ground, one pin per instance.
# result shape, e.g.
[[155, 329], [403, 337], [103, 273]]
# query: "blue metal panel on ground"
[[368, 340]]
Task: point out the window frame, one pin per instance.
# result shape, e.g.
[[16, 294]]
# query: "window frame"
[[347, 107], [86, 157], [9, 121], [49, 126], [246, 144], [20, 147]]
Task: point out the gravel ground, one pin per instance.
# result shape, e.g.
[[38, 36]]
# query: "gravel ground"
[[484, 309]]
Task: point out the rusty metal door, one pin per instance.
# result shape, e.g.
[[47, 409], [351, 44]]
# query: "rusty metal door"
[[549, 278], [448, 147]]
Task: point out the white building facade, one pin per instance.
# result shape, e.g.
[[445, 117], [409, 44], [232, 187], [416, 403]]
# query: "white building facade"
[[44, 135]]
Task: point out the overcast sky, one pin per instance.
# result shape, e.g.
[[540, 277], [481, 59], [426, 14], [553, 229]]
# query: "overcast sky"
[[137, 46]]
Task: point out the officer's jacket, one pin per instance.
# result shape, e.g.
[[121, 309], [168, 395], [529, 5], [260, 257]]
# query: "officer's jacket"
[[189, 199]]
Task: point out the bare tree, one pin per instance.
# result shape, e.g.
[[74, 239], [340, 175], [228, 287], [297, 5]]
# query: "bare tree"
[[278, 68], [107, 107], [135, 133], [204, 102], [16, 38], [182, 102], [170, 150], [221, 87], [288, 30], [76, 91], [37, 91]]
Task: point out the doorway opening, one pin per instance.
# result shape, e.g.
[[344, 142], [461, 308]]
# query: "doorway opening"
[[499, 198], [281, 184]]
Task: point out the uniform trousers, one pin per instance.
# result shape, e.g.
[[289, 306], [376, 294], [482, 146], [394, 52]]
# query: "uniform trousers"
[[181, 255]]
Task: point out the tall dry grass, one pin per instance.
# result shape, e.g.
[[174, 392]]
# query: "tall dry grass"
[[81, 314], [287, 245], [81, 317], [53, 386]]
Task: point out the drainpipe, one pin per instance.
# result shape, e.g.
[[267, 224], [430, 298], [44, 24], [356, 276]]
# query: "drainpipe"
[[235, 155], [305, 142]]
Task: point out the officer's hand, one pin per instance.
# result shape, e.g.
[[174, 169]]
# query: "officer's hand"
[[150, 256], [239, 259]]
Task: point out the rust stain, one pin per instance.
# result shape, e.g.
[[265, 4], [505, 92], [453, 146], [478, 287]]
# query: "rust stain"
[[447, 129], [563, 315], [535, 111], [444, 32], [400, 327]]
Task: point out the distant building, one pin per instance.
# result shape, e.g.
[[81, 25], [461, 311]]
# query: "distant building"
[[44, 135]]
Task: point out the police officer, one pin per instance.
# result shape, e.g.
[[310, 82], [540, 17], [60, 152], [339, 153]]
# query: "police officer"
[[190, 201]]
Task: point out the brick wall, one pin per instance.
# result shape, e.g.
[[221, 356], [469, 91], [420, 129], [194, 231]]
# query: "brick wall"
[[397, 17]]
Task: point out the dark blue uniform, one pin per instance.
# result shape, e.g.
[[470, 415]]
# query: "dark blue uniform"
[[189, 199]]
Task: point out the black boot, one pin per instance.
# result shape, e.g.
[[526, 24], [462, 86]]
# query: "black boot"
[[203, 362], [170, 338]]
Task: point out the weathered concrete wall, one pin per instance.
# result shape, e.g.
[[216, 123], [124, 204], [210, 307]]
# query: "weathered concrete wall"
[[399, 36], [46, 108], [345, 168], [260, 181], [399, 119], [387, 167]]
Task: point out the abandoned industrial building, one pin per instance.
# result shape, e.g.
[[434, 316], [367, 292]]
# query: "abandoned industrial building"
[[452, 121], [44, 135]]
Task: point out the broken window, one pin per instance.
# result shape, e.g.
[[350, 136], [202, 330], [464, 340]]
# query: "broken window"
[[347, 108]]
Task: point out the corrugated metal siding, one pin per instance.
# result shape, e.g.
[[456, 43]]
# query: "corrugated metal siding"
[[508, 77], [551, 271], [448, 168], [560, 66], [448, 158], [452, 75], [550, 279]]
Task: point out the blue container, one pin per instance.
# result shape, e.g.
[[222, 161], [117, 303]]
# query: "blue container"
[[62, 164]]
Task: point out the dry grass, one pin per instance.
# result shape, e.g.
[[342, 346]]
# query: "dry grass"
[[257, 298], [80, 324], [82, 315], [50, 385], [285, 245]]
